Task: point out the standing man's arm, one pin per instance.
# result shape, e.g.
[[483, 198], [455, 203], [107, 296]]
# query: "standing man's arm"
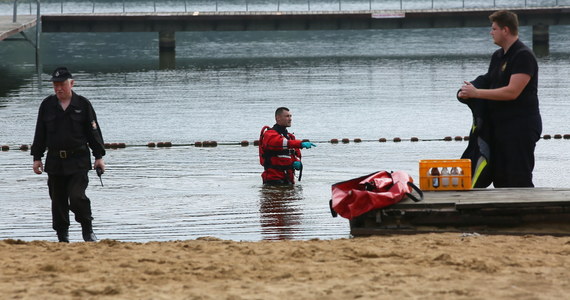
[[95, 139], [39, 144], [274, 141], [517, 83]]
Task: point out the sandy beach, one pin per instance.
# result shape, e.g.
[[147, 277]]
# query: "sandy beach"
[[427, 266]]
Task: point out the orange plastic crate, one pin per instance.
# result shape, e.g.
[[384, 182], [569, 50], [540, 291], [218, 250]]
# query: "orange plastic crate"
[[462, 181]]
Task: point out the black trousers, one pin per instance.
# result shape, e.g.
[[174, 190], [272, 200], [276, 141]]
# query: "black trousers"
[[512, 152], [67, 192]]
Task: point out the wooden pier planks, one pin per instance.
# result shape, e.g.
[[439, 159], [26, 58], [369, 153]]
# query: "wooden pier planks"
[[492, 211], [9, 28]]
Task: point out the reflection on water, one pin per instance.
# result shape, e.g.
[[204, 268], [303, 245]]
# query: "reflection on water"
[[280, 211]]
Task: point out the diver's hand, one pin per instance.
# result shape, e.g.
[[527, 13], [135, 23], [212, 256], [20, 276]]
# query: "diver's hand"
[[307, 145], [297, 165]]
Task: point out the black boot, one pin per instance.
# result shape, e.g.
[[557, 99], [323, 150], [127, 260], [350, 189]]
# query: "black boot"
[[87, 232], [63, 236]]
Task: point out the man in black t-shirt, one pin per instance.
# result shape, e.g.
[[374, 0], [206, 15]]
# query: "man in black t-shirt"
[[509, 90]]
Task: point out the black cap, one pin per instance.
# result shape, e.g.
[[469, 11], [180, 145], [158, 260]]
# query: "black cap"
[[61, 74]]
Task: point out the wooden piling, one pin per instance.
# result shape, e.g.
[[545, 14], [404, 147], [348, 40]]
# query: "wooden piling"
[[540, 40], [167, 49]]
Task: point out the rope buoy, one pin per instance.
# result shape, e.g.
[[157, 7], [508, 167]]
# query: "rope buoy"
[[245, 143], [209, 144]]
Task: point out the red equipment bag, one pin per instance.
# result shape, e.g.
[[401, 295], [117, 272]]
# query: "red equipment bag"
[[354, 197]]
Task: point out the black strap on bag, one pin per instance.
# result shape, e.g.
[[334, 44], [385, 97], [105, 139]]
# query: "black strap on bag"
[[333, 213], [418, 190]]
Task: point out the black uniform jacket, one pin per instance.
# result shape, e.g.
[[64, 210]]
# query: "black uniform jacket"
[[67, 135]]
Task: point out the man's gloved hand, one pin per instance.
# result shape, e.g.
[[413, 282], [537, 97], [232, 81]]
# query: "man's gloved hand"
[[307, 145], [297, 165]]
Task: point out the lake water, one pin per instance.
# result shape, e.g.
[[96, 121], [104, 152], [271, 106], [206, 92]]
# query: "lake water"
[[225, 87]]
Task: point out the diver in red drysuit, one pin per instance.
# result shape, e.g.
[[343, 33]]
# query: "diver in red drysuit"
[[279, 151]]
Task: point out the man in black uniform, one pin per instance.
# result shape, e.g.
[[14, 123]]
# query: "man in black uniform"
[[67, 126], [510, 90]]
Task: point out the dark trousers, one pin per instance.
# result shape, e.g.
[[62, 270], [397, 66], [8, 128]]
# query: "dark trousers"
[[512, 152], [67, 192]]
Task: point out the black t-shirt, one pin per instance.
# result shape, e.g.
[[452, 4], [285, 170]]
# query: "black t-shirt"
[[518, 59]]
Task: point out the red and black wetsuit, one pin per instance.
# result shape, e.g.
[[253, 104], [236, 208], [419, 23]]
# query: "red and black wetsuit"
[[278, 149]]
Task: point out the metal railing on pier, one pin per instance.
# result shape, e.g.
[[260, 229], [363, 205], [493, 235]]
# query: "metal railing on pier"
[[15, 15], [127, 6], [38, 26]]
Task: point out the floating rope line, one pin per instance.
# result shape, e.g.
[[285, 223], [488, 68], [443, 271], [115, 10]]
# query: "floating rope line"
[[206, 144]]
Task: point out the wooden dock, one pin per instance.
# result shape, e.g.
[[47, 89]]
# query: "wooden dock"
[[484, 211], [9, 28]]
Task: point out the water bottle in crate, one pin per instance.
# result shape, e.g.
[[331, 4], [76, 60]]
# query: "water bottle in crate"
[[445, 175]]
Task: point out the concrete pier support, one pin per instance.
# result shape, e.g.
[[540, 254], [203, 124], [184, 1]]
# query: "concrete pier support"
[[540, 40], [167, 41], [167, 49]]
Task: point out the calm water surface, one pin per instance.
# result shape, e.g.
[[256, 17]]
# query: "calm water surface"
[[225, 87]]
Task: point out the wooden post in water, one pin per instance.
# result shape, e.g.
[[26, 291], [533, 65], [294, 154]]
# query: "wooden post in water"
[[167, 49], [540, 40]]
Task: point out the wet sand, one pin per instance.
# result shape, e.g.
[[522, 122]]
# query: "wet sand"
[[427, 266]]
